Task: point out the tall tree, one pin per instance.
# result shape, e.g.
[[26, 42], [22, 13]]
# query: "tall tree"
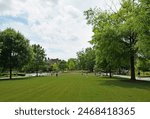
[[86, 59], [90, 59], [72, 63], [81, 60], [15, 50], [128, 30], [134, 31], [62, 65], [106, 40], [119, 34], [38, 57], [144, 29]]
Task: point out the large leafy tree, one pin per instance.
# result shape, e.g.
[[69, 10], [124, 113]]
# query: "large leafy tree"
[[134, 29], [15, 50], [0, 50], [144, 20], [129, 31], [121, 35], [106, 40]]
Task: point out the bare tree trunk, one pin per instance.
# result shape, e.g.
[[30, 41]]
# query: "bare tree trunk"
[[110, 73], [37, 74], [119, 71], [132, 58], [10, 73], [10, 67]]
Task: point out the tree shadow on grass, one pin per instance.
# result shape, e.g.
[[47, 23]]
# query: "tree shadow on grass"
[[125, 83]]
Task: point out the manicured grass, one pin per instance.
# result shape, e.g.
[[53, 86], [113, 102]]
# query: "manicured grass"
[[73, 87]]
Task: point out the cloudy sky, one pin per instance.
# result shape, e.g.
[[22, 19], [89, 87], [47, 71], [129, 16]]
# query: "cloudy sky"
[[57, 25]]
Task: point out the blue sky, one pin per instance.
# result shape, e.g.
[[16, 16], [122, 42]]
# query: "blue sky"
[[57, 25]]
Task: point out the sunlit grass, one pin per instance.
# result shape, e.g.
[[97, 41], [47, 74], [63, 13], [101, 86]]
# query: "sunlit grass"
[[73, 87]]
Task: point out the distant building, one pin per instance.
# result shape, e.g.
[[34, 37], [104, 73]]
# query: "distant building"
[[51, 62]]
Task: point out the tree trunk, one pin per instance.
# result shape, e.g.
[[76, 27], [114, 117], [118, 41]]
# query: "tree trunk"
[[37, 73], [132, 55], [110, 73], [132, 59], [119, 71], [10, 67], [10, 73], [106, 73]]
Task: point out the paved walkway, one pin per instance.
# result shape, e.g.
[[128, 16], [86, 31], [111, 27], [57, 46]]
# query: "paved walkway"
[[27, 75], [46, 74], [138, 78], [18, 77]]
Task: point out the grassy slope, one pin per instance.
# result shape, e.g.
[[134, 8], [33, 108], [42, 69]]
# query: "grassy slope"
[[74, 88]]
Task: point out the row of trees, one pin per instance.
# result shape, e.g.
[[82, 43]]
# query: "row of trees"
[[121, 39], [61, 65], [86, 59], [16, 53]]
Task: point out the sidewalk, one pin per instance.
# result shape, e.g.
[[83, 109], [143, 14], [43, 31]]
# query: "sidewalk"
[[27, 76], [18, 77], [137, 78]]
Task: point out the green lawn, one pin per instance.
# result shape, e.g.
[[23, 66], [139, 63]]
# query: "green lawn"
[[73, 87]]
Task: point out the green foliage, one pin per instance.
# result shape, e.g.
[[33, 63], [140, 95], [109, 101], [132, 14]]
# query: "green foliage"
[[90, 59], [122, 36], [86, 59], [15, 50], [144, 20], [81, 60], [39, 57], [72, 64], [55, 67], [62, 65], [143, 65]]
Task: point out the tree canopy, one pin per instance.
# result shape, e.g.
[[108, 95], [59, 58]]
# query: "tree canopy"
[[39, 57], [15, 50], [121, 37], [86, 59]]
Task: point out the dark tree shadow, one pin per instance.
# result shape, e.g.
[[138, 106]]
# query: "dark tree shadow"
[[125, 83]]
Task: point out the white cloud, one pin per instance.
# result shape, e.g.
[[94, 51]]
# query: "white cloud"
[[58, 25]]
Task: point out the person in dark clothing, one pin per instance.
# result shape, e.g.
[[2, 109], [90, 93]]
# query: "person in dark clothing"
[[139, 73], [56, 74]]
